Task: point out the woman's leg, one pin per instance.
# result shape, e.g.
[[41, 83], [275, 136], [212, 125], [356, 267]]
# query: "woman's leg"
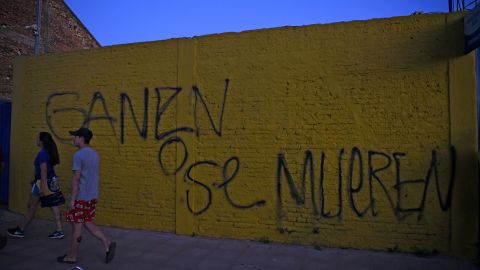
[[31, 210], [57, 216]]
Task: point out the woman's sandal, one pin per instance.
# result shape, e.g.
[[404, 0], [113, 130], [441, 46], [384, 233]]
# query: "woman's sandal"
[[62, 259]]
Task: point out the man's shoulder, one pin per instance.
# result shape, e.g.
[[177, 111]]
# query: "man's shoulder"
[[86, 151]]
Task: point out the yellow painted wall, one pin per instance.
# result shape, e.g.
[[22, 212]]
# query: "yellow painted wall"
[[359, 134]]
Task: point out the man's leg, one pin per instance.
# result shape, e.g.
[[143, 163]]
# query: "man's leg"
[[75, 241], [98, 233]]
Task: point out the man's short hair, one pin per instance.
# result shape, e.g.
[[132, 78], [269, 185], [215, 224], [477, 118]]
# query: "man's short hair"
[[84, 132]]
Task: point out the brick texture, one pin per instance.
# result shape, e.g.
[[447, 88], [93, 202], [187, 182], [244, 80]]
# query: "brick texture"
[[336, 135], [61, 31]]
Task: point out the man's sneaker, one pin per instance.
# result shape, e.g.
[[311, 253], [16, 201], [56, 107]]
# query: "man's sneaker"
[[16, 232], [57, 235]]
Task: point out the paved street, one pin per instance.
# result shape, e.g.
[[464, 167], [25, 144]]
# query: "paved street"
[[139, 250]]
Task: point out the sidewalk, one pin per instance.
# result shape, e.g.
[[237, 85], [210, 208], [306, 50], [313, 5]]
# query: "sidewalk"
[[139, 250]]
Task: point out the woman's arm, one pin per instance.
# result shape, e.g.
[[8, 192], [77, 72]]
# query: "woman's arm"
[[43, 178]]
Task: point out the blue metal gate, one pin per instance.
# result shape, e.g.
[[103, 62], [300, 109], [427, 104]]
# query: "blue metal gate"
[[5, 121], [477, 67]]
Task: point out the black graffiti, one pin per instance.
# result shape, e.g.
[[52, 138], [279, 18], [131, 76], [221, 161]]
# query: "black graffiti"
[[229, 170], [105, 116], [141, 131], [88, 117], [198, 96], [433, 170], [299, 198], [308, 166], [356, 170], [225, 181], [188, 177], [228, 178], [161, 109], [178, 141], [217, 128], [351, 190], [372, 175], [398, 187], [321, 188], [48, 116]]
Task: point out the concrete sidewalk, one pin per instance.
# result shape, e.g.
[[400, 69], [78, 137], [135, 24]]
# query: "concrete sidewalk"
[[139, 250]]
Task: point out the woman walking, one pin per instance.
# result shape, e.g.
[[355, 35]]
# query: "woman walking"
[[45, 187]]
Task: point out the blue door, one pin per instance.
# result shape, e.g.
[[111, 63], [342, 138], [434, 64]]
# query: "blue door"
[[5, 120], [477, 55]]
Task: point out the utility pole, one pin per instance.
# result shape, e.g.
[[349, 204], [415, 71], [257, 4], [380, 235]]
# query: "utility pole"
[[37, 28]]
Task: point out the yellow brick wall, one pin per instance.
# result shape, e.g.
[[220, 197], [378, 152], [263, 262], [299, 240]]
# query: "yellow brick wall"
[[359, 134]]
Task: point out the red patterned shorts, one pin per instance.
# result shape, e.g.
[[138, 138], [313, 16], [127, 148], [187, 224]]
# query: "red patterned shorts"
[[83, 211]]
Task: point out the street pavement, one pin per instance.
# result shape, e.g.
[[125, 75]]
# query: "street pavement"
[[138, 250]]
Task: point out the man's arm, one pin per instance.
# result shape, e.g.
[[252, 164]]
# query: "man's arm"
[[74, 191]]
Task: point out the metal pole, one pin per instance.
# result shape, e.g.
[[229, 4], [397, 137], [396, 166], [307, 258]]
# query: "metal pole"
[[45, 32], [37, 30]]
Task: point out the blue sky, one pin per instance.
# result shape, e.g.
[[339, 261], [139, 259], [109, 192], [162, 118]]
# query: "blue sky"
[[127, 21]]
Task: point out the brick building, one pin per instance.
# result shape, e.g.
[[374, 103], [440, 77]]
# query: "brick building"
[[60, 31]]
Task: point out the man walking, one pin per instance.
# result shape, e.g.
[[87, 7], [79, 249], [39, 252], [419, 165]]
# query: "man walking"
[[83, 198]]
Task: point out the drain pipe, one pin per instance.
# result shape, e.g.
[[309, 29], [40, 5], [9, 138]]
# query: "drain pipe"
[[37, 30]]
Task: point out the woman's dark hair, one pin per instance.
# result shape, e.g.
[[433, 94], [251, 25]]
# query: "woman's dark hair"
[[49, 146]]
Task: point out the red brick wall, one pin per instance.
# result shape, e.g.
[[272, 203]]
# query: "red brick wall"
[[61, 31]]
